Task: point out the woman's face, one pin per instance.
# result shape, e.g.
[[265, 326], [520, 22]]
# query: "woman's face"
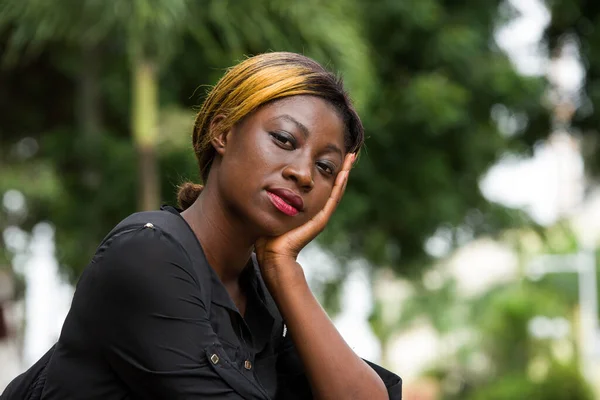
[[277, 167]]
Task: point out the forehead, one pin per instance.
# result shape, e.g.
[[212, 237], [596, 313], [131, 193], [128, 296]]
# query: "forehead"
[[320, 118]]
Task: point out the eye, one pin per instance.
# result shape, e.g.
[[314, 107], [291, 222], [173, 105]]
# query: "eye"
[[327, 167], [284, 139]]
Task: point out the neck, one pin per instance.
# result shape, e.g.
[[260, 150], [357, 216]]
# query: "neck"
[[224, 237]]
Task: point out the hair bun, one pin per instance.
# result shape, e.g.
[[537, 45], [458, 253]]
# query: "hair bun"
[[187, 194]]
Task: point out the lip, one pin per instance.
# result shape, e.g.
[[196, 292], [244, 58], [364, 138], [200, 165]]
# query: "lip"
[[288, 197]]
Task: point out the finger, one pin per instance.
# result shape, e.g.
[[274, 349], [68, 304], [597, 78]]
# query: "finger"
[[348, 161], [319, 221], [338, 190], [342, 179], [344, 188]]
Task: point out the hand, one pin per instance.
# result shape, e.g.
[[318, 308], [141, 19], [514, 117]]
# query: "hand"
[[273, 251]]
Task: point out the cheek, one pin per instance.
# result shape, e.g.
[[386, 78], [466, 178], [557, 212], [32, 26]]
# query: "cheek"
[[252, 153], [319, 199], [241, 161], [243, 172]]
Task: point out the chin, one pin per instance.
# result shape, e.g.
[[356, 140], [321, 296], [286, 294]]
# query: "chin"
[[271, 225]]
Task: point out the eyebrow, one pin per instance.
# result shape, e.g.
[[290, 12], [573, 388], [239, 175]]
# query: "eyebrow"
[[335, 149], [306, 132], [298, 124]]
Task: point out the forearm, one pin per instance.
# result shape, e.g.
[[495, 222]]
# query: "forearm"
[[332, 367]]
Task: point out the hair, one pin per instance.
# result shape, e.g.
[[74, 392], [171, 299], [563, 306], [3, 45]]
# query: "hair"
[[255, 82]]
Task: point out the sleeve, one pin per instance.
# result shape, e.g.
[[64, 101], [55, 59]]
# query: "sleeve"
[[293, 384], [150, 321]]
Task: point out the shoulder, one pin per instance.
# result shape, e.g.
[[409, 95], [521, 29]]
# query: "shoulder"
[[142, 271], [142, 242], [138, 259], [147, 227]]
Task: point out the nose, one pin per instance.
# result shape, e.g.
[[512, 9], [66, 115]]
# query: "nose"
[[301, 173]]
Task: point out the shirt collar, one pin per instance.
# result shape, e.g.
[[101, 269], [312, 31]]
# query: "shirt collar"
[[264, 312], [218, 292], [260, 288]]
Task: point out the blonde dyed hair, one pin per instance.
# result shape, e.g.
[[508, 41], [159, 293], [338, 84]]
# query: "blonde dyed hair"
[[255, 82]]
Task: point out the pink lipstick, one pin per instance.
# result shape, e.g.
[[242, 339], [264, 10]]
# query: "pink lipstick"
[[283, 205]]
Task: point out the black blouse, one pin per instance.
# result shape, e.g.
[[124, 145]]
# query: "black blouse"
[[138, 328]]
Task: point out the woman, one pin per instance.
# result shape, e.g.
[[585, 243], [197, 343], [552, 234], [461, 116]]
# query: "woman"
[[275, 140]]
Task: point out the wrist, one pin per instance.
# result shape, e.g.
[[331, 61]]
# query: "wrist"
[[282, 276]]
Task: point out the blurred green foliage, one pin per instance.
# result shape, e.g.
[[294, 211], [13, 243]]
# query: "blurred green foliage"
[[426, 76], [431, 134], [487, 349], [563, 382], [501, 359]]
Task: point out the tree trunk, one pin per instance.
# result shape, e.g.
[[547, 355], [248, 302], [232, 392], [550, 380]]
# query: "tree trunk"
[[88, 107], [88, 114], [145, 131]]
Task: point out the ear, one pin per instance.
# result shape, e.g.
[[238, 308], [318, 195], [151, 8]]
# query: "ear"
[[218, 134]]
